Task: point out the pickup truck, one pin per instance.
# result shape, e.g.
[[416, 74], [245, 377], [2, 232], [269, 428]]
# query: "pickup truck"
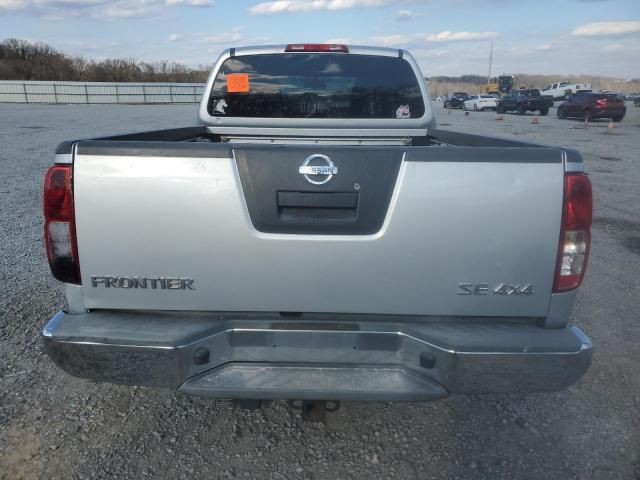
[[525, 100], [456, 100], [565, 90], [318, 238]]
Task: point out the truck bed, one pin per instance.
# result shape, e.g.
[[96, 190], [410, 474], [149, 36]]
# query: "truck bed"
[[203, 134], [225, 214]]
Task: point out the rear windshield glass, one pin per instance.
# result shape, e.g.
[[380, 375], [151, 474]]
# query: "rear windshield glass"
[[531, 93], [321, 85], [604, 96]]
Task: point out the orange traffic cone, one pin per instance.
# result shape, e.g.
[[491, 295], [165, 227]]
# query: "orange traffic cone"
[[499, 117], [535, 120], [610, 124]]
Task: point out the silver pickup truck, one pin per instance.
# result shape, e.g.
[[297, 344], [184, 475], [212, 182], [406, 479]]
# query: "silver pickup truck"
[[318, 238]]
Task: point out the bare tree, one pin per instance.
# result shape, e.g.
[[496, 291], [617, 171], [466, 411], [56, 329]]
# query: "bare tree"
[[23, 60]]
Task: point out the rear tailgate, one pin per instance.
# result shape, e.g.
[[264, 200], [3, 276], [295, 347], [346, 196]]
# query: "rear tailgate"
[[395, 230]]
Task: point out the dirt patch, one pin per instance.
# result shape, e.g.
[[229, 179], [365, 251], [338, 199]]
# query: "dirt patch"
[[609, 132], [19, 459], [611, 159], [632, 244], [627, 231], [617, 225]]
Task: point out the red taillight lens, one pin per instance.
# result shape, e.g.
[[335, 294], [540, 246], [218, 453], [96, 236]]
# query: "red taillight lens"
[[575, 232], [316, 47], [59, 224]]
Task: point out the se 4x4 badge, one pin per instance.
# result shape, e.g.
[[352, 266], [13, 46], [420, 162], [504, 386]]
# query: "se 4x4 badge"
[[501, 289]]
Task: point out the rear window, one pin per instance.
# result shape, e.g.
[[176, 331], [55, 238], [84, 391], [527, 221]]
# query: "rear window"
[[320, 85], [604, 96], [531, 93]]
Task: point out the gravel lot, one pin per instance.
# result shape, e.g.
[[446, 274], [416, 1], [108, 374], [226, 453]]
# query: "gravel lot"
[[56, 426]]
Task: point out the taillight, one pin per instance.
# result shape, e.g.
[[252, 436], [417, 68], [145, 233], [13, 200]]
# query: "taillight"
[[316, 47], [575, 232], [59, 224]]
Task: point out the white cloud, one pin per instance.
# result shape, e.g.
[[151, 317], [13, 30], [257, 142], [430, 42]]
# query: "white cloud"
[[123, 10], [12, 4], [606, 29], [289, 6], [339, 41], [405, 15], [400, 40], [448, 36], [76, 8], [174, 37], [191, 3], [390, 40], [615, 47], [543, 47], [222, 38], [97, 8], [69, 3]]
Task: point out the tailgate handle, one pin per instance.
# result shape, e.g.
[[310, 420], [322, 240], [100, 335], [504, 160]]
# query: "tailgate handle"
[[318, 199], [313, 208]]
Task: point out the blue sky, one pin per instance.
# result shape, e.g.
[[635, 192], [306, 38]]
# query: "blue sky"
[[447, 36]]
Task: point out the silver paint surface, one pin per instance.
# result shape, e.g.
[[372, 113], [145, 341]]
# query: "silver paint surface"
[[447, 222]]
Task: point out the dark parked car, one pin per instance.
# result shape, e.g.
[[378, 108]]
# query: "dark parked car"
[[635, 98], [526, 100], [593, 105], [456, 100]]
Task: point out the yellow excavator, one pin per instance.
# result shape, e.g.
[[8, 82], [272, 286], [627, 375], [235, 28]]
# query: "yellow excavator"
[[501, 85]]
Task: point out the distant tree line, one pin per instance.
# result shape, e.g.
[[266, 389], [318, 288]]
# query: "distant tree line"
[[23, 60], [467, 79]]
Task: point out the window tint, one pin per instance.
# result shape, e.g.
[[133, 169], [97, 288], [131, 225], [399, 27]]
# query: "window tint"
[[602, 96], [320, 85]]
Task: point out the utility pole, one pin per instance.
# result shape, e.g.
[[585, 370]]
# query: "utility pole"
[[490, 61]]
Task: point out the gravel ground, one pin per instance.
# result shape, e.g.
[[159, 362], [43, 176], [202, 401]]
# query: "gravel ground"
[[55, 426]]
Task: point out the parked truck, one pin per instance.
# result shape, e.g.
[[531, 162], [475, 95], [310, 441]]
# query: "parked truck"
[[525, 100], [317, 237], [565, 90]]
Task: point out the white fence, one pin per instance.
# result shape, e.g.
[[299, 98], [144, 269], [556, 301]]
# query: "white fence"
[[15, 91]]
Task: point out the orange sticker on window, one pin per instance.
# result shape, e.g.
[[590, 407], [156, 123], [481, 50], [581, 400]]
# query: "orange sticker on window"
[[238, 83]]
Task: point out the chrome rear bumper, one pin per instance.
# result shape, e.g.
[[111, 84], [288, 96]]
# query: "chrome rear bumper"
[[317, 357]]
